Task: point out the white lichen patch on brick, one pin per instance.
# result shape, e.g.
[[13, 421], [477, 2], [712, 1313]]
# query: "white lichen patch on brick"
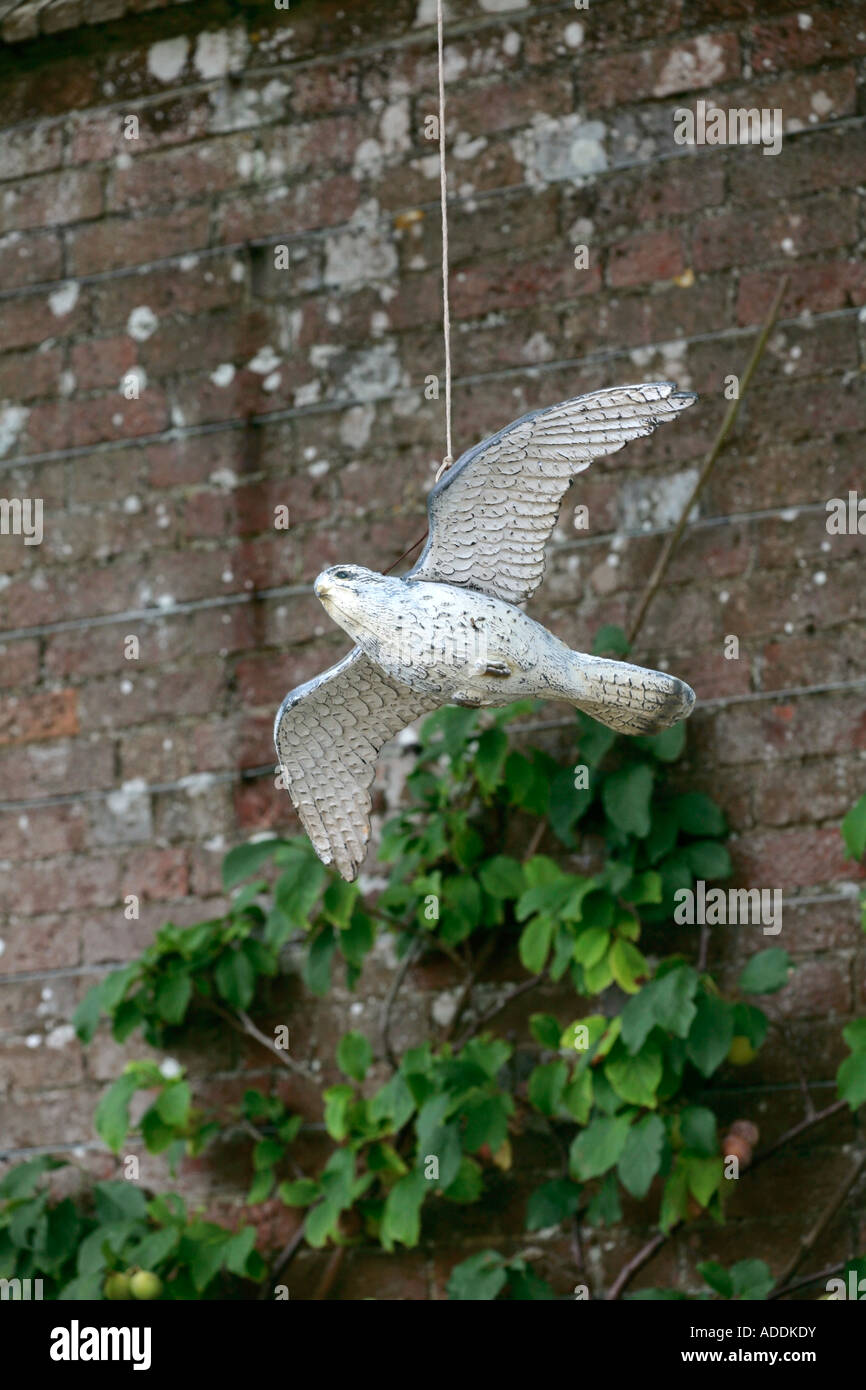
[[356, 424], [223, 375], [361, 252], [64, 300], [142, 323], [557, 151], [699, 65], [655, 503], [264, 361], [13, 418], [166, 60], [220, 53]]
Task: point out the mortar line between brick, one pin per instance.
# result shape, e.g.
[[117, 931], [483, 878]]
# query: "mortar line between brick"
[[313, 233], [332, 406], [191, 784], [305, 590], [423, 36]]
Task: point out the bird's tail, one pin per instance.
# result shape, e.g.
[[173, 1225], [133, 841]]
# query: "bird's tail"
[[629, 699]]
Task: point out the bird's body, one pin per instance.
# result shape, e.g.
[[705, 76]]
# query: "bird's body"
[[462, 647], [450, 631]]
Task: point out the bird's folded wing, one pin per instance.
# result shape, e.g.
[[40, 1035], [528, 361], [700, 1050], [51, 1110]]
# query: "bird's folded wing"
[[493, 511], [328, 735]]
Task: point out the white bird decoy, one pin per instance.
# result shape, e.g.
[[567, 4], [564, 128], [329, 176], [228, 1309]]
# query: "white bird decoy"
[[448, 632]]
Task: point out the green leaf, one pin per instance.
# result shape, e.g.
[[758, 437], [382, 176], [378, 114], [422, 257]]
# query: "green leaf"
[[642, 1155], [487, 1122], [752, 1279], [674, 1198], [119, 1201], [321, 1223], [173, 1103], [112, 1113], [86, 1289], [551, 1204], [704, 1176], [266, 1153], [156, 1247], [401, 1218], [627, 965], [298, 889], [317, 966], [235, 979], [468, 1185], [591, 945], [490, 758], [337, 1101], [244, 860], [24, 1179], [238, 1250], [534, 945], [636, 1079], [696, 814], [300, 1193], [85, 1019], [478, 1279], [666, 1001], [767, 972], [338, 901], [666, 746], [354, 1056], [626, 798], [207, 1260], [597, 1148], [717, 1277], [546, 1030], [546, 1087], [708, 859], [502, 877], [851, 1080], [524, 1283], [711, 1033], [854, 830], [698, 1131]]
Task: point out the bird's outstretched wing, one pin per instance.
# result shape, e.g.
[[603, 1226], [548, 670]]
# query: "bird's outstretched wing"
[[493, 511], [328, 735]]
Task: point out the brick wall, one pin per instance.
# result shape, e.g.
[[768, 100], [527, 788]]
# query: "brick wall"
[[150, 260]]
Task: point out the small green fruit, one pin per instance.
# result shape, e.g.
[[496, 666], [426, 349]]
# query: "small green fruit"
[[145, 1285], [741, 1052], [116, 1287]]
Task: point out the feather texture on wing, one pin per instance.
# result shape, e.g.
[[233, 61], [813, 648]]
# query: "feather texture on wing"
[[492, 513], [328, 735]]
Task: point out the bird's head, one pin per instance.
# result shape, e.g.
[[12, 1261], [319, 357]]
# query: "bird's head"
[[349, 595]]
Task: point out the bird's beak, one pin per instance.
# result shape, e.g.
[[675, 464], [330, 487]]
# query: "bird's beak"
[[322, 586]]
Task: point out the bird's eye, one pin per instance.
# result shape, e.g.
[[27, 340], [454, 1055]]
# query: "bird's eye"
[[342, 573]]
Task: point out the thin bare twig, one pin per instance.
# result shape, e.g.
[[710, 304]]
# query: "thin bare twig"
[[807, 1241], [799, 1129], [807, 1279], [282, 1262], [242, 1023], [635, 1263], [390, 999], [673, 539], [485, 1017]]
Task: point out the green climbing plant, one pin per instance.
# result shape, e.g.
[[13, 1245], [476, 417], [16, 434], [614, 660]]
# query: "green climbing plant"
[[501, 855]]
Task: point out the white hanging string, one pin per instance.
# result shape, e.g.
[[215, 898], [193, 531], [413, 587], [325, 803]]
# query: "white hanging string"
[[443, 190]]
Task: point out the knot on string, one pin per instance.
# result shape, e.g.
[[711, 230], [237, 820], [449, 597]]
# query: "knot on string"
[[444, 466]]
